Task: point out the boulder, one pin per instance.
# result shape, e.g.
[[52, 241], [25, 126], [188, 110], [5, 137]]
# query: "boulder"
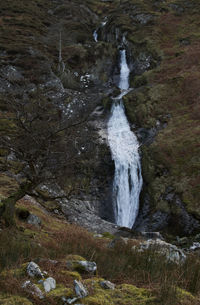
[[80, 290], [90, 267], [34, 220], [82, 265], [32, 289], [33, 270], [107, 285], [171, 252], [195, 246], [49, 284], [143, 18]]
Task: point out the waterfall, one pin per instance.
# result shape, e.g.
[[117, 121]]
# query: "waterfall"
[[95, 36], [124, 148]]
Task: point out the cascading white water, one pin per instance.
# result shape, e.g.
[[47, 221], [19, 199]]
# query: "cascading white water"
[[95, 36], [124, 148]]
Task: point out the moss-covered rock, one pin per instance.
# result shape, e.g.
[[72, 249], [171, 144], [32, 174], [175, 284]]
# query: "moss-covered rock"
[[59, 292], [72, 274]]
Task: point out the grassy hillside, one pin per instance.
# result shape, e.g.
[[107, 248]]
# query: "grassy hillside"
[[59, 241], [163, 43]]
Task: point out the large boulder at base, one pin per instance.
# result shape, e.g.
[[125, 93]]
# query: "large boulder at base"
[[172, 253], [49, 284], [33, 270]]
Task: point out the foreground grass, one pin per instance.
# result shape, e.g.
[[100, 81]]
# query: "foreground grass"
[[56, 240]]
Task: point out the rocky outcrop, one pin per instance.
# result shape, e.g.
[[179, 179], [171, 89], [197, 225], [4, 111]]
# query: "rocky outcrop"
[[171, 252], [82, 213]]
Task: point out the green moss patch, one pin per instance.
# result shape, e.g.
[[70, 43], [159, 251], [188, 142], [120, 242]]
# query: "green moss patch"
[[123, 295], [13, 300]]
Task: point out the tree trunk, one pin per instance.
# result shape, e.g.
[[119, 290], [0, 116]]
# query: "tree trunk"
[[9, 204]]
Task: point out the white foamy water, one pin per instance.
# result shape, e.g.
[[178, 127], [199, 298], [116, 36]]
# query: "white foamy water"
[[124, 148], [95, 36]]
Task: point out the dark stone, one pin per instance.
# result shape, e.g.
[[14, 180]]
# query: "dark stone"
[[143, 18], [22, 213], [34, 220], [11, 74], [142, 63], [185, 223], [159, 221], [177, 8], [146, 136], [142, 218], [177, 221], [185, 41]]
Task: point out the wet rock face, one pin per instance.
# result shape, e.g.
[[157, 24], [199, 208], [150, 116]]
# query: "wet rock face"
[[176, 220], [146, 221], [83, 213], [185, 223]]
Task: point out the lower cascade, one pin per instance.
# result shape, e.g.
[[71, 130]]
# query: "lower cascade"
[[124, 148]]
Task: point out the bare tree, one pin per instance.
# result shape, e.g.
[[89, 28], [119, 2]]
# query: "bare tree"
[[42, 141]]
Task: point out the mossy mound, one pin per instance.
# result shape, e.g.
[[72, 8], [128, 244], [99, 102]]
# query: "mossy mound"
[[123, 295], [74, 257], [72, 274], [18, 272], [57, 294], [14, 300]]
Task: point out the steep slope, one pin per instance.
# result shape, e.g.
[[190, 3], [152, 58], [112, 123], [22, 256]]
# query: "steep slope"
[[48, 51]]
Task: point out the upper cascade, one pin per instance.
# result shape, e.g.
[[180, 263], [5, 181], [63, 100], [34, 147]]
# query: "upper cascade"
[[95, 36], [124, 148], [124, 72]]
